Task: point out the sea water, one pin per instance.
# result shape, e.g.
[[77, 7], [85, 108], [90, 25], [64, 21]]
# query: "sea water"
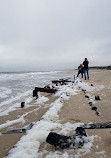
[[15, 85]]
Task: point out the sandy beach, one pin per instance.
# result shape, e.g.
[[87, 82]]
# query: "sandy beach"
[[77, 110], [74, 110]]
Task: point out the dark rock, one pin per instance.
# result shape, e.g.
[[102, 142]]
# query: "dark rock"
[[97, 113], [86, 96], [97, 98], [84, 90], [90, 102], [23, 130], [94, 108]]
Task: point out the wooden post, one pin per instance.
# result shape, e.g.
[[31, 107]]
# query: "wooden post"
[[22, 104]]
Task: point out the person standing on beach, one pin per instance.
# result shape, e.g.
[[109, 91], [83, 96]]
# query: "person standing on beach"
[[85, 63]]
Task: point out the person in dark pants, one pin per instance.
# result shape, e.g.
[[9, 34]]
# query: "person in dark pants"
[[80, 70], [85, 63]]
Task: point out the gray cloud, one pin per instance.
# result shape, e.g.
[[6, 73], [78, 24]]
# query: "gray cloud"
[[45, 35]]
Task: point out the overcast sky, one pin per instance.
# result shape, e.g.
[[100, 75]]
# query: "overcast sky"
[[54, 34]]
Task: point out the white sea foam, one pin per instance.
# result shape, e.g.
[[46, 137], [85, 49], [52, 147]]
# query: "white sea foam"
[[9, 106], [13, 99], [6, 111], [42, 99], [19, 120], [9, 123], [101, 152]]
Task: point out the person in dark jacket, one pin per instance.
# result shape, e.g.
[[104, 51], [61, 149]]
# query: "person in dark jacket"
[[86, 68], [80, 70]]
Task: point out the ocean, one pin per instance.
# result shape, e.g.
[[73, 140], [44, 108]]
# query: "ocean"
[[14, 85]]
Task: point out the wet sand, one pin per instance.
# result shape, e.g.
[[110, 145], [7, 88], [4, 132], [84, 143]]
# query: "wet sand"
[[75, 110], [7, 141]]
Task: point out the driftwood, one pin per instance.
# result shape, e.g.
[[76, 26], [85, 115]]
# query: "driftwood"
[[63, 142], [78, 139], [61, 81], [15, 131], [97, 125], [22, 104], [21, 130], [35, 93], [47, 90]]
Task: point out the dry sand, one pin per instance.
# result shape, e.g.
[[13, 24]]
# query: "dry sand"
[[77, 109], [74, 110]]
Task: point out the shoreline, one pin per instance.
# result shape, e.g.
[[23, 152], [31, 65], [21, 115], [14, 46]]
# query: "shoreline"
[[75, 110], [92, 67]]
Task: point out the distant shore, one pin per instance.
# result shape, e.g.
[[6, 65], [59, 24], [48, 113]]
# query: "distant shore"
[[101, 67]]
